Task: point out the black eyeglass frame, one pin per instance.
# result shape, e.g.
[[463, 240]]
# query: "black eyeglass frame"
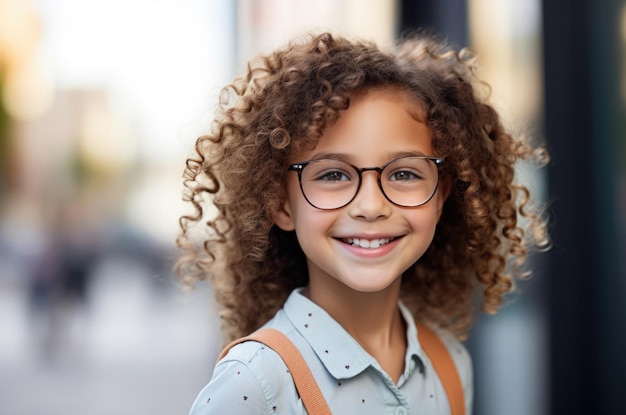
[[299, 167]]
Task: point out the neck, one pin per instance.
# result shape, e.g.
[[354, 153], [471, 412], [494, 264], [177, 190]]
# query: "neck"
[[371, 318]]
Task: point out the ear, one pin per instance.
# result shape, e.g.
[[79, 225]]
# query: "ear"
[[283, 217], [444, 188]]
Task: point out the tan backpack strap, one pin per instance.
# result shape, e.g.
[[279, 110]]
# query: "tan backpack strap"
[[444, 366], [310, 393]]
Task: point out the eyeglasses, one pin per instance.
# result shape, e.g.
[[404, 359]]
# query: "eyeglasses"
[[332, 184]]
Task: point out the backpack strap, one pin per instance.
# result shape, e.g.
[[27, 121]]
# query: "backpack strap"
[[444, 366], [311, 396]]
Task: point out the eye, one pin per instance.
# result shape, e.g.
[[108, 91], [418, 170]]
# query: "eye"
[[404, 175], [332, 176]]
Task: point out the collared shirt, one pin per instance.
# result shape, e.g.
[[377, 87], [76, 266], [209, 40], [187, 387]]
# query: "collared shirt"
[[253, 379]]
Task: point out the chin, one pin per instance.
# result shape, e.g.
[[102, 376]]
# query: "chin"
[[373, 287]]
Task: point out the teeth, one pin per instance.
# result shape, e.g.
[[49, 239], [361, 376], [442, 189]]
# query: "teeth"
[[365, 243]]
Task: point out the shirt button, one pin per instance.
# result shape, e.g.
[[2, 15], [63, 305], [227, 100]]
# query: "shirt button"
[[401, 410]]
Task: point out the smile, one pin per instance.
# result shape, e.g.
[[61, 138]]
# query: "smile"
[[366, 243]]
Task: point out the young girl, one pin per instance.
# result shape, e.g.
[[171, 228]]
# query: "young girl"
[[344, 194]]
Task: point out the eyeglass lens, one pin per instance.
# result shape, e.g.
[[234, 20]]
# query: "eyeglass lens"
[[331, 184]]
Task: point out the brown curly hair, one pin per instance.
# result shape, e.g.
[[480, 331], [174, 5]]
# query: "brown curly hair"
[[281, 105]]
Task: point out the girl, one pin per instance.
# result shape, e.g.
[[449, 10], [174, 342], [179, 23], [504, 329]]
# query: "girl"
[[356, 191]]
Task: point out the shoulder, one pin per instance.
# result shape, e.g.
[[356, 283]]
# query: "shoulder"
[[463, 363], [251, 379], [458, 351]]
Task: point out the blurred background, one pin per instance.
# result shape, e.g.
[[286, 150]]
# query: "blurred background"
[[100, 103]]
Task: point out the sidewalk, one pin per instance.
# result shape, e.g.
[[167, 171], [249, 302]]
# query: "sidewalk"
[[136, 347]]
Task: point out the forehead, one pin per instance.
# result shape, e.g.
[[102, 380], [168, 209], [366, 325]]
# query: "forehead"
[[378, 124], [411, 104]]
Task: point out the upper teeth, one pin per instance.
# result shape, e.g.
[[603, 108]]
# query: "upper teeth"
[[366, 243]]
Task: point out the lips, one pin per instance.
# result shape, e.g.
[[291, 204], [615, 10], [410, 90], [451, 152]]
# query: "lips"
[[368, 243]]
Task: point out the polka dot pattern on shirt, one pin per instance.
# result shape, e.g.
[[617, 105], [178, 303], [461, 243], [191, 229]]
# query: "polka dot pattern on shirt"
[[351, 375]]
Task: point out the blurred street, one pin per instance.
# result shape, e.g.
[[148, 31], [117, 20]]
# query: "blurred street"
[[95, 128], [135, 345]]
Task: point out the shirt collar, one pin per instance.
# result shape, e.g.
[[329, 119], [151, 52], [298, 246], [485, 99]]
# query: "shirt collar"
[[342, 356], [415, 355]]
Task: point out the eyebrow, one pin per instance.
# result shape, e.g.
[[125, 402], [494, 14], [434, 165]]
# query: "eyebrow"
[[349, 159]]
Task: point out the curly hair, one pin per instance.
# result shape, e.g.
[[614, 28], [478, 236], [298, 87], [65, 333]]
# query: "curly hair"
[[282, 105]]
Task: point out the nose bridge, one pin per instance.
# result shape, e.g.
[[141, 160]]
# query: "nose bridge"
[[374, 179], [370, 202], [377, 169]]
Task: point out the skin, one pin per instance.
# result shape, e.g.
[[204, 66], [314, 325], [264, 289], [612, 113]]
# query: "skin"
[[359, 287]]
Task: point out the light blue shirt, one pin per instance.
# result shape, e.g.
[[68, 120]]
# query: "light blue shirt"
[[253, 379]]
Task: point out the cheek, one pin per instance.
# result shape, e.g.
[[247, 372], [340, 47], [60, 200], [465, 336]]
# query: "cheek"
[[425, 221], [309, 220]]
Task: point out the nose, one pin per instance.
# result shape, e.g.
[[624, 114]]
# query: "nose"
[[370, 203]]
